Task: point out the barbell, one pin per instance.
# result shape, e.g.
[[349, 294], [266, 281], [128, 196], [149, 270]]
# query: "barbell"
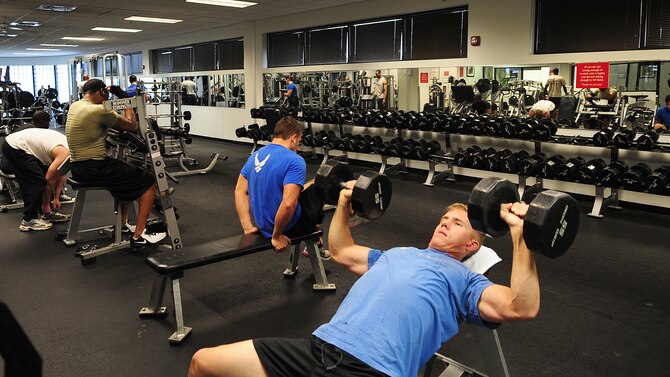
[[549, 227], [371, 194]]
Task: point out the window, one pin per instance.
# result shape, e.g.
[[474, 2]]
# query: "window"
[[286, 49], [230, 54], [658, 24], [23, 76], [327, 45], [134, 63], [162, 60], [376, 41], [423, 42], [204, 57], [570, 26], [63, 83], [182, 58], [45, 77]]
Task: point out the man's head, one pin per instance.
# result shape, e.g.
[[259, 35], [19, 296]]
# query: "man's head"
[[667, 100], [289, 132], [41, 119], [95, 90], [288, 78], [378, 73], [554, 71], [132, 79], [454, 234]]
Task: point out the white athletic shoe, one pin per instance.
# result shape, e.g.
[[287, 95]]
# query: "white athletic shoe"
[[34, 224]]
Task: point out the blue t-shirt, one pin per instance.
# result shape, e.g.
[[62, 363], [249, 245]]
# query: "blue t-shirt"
[[663, 116], [290, 86], [267, 170], [403, 308], [132, 90]]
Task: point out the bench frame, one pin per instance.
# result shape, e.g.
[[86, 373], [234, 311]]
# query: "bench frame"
[[156, 310]]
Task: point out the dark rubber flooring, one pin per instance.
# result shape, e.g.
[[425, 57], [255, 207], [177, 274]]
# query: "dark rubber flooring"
[[604, 304]]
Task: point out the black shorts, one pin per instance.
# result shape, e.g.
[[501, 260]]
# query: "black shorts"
[[283, 357], [124, 181], [556, 101], [311, 204]]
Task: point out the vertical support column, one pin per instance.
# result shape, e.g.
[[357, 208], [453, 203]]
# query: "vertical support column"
[[156, 299], [182, 331], [317, 267]]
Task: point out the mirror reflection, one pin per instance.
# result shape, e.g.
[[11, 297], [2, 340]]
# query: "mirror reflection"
[[220, 90], [629, 99]]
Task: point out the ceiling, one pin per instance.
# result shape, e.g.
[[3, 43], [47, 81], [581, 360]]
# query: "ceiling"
[[111, 13]]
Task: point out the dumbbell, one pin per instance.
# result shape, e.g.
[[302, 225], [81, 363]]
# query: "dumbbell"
[[510, 164], [528, 167], [524, 131], [391, 148], [371, 194], [367, 144], [460, 156], [567, 170], [547, 168], [241, 132], [264, 133], [477, 160], [634, 178], [407, 148], [624, 139], [587, 173], [253, 131], [549, 227], [426, 148], [657, 181], [342, 143], [493, 161], [609, 176], [647, 141], [602, 138], [542, 131]]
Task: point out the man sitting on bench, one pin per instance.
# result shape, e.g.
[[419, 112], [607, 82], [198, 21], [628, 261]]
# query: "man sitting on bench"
[[86, 130], [271, 190], [407, 303]]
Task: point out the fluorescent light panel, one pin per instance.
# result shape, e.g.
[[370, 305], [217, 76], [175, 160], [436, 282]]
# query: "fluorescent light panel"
[[57, 45], [153, 19], [89, 39], [25, 53], [43, 49], [116, 29], [224, 3]]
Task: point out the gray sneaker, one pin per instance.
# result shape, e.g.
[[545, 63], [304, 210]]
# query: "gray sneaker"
[[56, 217], [65, 198], [34, 224]]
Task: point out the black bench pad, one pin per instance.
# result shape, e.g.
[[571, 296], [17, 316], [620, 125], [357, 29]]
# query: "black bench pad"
[[168, 262]]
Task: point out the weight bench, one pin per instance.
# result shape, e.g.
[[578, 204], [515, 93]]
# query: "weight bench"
[[171, 265]]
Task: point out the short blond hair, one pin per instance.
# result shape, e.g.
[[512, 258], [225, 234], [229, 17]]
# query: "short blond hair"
[[479, 236]]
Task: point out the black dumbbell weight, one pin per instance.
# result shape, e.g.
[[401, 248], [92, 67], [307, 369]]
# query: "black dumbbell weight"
[[371, 195], [528, 167], [624, 139], [541, 131], [549, 227], [241, 132], [567, 171], [547, 168], [610, 175], [461, 155], [510, 164], [633, 179], [426, 148], [407, 148], [494, 161], [647, 141], [477, 160], [588, 172], [253, 131], [524, 131], [602, 138], [657, 181]]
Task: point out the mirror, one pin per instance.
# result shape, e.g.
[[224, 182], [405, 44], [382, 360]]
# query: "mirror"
[[220, 90]]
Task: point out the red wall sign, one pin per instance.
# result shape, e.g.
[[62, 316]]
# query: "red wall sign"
[[593, 75], [423, 78]]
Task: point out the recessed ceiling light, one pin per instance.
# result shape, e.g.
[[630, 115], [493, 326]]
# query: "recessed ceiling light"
[[153, 19], [116, 29], [224, 3], [8, 35], [57, 45], [43, 49], [57, 8], [90, 39]]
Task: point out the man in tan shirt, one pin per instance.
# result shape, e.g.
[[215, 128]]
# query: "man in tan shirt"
[[553, 87]]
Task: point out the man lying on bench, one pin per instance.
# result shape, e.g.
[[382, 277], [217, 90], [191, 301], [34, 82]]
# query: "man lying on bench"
[[271, 190], [407, 303]]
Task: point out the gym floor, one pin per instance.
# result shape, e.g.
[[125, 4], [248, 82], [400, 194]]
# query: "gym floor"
[[604, 304]]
